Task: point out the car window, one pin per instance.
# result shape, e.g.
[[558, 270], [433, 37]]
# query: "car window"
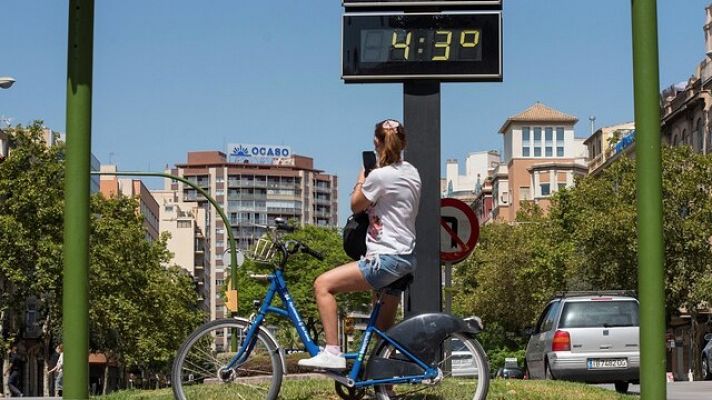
[[457, 345], [546, 319], [599, 314]]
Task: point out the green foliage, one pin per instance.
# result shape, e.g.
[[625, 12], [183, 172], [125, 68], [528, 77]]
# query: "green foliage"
[[31, 209], [139, 310], [589, 241], [514, 269], [300, 273], [497, 357]]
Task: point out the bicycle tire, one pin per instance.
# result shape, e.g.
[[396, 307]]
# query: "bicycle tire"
[[479, 386], [205, 353]]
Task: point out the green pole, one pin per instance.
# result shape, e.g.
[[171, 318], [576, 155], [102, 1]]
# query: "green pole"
[[76, 200], [650, 206]]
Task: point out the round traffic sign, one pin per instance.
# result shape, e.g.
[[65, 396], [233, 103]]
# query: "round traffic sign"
[[459, 230]]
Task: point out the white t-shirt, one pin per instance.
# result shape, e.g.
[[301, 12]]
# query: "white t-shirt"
[[394, 193]]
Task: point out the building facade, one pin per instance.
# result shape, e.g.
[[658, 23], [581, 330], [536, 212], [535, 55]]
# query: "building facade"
[[541, 155], [478, 166], [252, 191], [187, 223], [112, 186], [607, 144]]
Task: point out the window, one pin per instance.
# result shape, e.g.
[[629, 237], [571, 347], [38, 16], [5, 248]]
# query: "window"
[[559, 142], [525, 142], [685, 139], [561, 186], [699, 138], [524, 193], [549, 142], [545, 189], [599, 314], [184, 224], [546, 320], [537, 142], [169, 208]]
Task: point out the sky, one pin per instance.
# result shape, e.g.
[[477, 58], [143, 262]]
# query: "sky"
[[172, 76]]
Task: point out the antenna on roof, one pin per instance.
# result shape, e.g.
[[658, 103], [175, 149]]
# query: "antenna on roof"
[[592, 118]]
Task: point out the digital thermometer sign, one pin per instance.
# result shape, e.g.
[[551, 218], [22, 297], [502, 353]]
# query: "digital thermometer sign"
[[393, 47]]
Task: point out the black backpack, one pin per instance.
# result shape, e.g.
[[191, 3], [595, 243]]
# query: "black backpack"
[[355, 235], [357, 224]]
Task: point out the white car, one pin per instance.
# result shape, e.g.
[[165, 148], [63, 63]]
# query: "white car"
[[587, 337], [462, 363]]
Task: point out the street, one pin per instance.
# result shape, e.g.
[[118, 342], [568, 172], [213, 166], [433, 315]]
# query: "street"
[[680, 390]]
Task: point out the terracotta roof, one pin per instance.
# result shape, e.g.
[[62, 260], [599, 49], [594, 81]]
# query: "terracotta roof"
[[538, 113]]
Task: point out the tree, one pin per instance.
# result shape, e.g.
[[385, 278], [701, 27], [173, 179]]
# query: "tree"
[[513, 271], [589, 241], [31, 210], [300, 273], [127, 282], [139, 310]]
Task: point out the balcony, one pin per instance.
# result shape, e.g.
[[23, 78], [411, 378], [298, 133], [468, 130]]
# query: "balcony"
[[322, 214], [325, 202]]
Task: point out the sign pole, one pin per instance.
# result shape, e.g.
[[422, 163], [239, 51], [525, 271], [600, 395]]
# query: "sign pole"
[[448, 286], [421, 116], [75, 296]]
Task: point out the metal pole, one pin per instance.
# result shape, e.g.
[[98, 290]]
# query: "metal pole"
[[421, 117], [650, 215], [76, 200]]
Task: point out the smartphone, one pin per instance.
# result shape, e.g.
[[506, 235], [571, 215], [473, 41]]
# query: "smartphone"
[[369, 162]]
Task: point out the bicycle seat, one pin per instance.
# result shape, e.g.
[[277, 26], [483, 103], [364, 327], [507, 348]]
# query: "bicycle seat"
[[401, 284]]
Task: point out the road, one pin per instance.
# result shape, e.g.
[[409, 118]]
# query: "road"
[[697, 390]]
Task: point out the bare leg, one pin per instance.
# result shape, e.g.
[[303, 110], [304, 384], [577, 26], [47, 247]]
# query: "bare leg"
[[387, 316], [346, 278]]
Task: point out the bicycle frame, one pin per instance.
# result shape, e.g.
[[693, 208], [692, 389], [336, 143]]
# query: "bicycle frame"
[[278, 286]]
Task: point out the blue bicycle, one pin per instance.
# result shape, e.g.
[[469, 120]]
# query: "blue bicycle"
[[239, 358]]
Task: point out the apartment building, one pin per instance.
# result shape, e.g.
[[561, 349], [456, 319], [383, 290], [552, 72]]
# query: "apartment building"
[[607, 144], [541, 156], [255, 185], [478, 166], [111, 186], [187, 223]]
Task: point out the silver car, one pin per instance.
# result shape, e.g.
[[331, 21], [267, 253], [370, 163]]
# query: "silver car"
[[587, 337]]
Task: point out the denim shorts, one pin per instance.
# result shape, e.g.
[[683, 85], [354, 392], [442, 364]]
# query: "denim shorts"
[[383, 269]]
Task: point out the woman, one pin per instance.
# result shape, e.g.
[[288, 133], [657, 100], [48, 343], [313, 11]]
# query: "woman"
[[59, 369], [391, 193]]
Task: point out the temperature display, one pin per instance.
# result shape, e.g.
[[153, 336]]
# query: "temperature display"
[[396, 47]]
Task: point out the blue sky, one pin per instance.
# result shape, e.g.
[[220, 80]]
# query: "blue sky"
[[175, 76]]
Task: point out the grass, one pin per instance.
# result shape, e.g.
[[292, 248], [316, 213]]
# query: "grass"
[[323, 389]]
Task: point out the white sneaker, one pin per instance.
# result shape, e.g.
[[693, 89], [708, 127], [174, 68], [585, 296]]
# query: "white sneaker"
[[324, 360]]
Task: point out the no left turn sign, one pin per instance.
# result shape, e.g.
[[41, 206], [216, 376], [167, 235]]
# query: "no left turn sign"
[[459, 230]]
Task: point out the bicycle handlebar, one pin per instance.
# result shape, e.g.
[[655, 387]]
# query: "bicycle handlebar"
[[313, 253]]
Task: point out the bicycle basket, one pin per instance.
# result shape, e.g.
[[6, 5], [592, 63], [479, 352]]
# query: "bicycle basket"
[[263, 250]]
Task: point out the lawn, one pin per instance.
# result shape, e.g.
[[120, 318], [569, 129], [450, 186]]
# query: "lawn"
[[324, 390]]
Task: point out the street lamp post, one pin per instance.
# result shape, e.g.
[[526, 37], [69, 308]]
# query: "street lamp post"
[[6, 82]]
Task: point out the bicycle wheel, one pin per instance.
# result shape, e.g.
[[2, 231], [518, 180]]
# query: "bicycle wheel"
[[199, 370], [464, 373]]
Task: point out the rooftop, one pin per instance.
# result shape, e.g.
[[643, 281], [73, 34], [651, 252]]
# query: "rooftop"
[[538, 113]]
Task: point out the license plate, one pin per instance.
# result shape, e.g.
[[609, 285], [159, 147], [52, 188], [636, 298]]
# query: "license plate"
[[607, 363]]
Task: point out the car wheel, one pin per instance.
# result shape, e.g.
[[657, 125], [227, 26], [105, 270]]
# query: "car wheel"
[[706, 375], [621, 387]]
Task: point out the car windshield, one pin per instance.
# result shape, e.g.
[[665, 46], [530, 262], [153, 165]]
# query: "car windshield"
[[599, 314]]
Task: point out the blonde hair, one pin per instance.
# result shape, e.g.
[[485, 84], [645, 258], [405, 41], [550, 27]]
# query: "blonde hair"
[[391, 135]]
